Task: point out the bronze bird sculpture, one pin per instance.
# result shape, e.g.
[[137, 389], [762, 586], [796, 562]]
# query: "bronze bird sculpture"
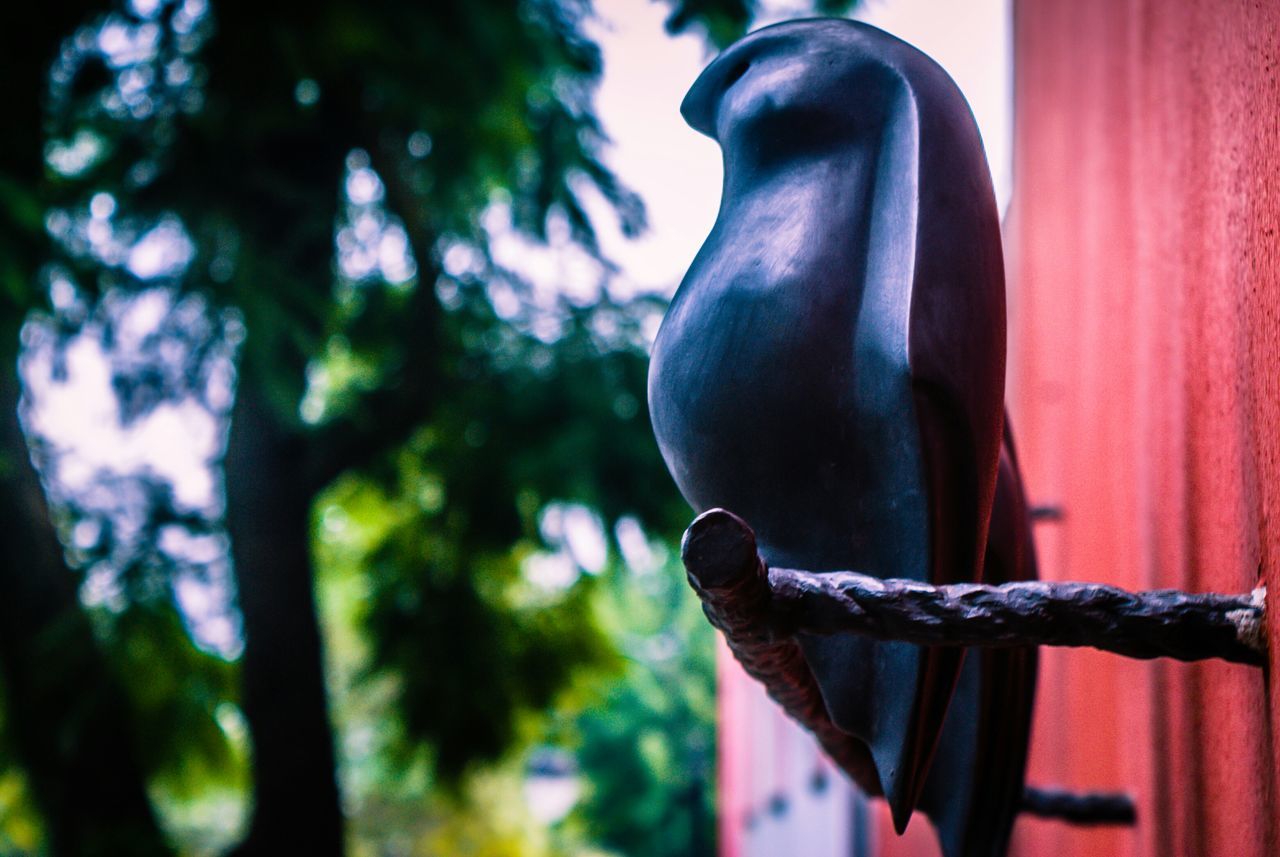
[[832, 370]]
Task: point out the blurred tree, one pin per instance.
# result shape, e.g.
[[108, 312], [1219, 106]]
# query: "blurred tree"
[[323, 190], [66, 720], [647, 750]]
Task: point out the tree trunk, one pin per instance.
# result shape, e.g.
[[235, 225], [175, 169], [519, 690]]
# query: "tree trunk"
[[68, 720], [296, 806]]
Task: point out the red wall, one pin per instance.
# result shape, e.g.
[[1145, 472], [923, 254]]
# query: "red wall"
[[1145, 391]]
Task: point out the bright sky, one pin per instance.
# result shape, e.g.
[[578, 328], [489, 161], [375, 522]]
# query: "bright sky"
[[677, 170]]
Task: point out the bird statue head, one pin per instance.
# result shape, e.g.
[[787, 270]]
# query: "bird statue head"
[[802, 72]]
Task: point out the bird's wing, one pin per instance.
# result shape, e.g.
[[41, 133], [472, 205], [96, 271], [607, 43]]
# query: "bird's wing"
[[956, 353], [976, 783]]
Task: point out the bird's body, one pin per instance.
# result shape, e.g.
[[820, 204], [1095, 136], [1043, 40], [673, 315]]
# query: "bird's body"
[[831, 369]]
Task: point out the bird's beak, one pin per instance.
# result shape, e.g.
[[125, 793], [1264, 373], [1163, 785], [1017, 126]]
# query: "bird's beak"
[[702, 103], [701, 106]]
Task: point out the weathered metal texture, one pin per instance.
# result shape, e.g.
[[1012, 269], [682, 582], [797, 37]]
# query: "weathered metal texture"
[[760, 609], [832, 367], [974, 790], [1145, 385], [1164, 623]]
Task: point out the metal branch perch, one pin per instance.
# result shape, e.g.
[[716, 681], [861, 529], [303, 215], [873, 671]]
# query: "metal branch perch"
[[1087, 809], [760, 610], [758, 607]]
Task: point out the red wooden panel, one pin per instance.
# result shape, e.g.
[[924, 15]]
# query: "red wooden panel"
[[1145, 390]]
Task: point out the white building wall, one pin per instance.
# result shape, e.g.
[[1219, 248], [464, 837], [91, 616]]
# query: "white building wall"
[[779, 795]]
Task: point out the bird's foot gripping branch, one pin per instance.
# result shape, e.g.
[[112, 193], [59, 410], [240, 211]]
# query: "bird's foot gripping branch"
[[760, 610]]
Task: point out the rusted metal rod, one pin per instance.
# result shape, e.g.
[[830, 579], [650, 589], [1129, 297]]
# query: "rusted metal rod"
[[1086, 809], [759, 607]]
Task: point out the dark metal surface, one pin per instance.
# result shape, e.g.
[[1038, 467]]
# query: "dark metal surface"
[[975, 787], [1160, 623], [731, 580], [1156, 624], [1047, 514], [832, 366], [760, 610], [1087, 809]]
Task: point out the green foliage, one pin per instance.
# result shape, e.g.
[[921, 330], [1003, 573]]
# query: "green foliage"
[[722, 20], [20, 829], [443, 404], [647, 749], [179, 693], [725, 21], [470, 654]]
